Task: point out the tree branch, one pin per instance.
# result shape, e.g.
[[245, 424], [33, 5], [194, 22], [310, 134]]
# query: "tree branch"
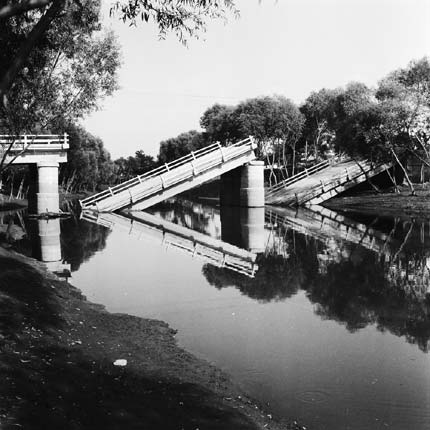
[[25, 49]]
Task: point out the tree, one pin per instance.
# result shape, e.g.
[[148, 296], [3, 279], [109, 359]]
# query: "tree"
[[221, 124], [74, 75], [318, 132], [276, 123], [71, 68], [185, 18], [89, 164], [126, 168], [179, 146]]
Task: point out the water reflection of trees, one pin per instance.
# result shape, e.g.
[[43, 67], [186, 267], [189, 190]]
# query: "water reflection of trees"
[[357, 292], [347, 283], [80, 240], [278, 277], [189, 214]]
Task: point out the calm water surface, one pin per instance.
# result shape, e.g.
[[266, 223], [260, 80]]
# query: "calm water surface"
[[333, 329]]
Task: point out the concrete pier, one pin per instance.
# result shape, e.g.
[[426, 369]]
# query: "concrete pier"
[[243, 186], [42, 153], [48, 199]]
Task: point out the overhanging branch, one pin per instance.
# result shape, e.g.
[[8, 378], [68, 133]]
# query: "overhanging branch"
[[17, 8]]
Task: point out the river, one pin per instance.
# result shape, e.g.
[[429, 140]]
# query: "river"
[[324, 317]]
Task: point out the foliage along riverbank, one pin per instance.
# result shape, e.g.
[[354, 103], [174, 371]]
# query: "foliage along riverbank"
[[57, 367]]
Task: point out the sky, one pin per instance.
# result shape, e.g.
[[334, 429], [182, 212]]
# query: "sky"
[[287, 47]]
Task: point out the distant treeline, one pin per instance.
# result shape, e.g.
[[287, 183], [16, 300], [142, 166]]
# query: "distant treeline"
[[389, 123]]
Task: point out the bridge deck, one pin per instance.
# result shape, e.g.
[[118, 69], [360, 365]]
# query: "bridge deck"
[[322, 182], [34, 148], [172, 178]]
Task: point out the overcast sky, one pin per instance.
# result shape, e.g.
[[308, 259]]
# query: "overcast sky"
[[288, 47]]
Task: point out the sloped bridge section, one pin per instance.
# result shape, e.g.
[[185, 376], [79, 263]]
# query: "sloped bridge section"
[[147, 227], [322, 182], [173, 178]]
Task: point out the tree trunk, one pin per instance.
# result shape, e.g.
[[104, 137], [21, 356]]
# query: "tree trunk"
[[411, 186], [24, 51]]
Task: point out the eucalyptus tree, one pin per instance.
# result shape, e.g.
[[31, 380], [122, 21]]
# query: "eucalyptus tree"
[[276, 123], [184, 18], [183, 144], [221, 124], [390, 124], [318, 131]]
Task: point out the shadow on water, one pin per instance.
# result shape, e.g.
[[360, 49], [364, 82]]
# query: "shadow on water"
[[47, 383]]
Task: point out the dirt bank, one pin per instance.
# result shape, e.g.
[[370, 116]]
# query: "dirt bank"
[[388, 203], [57, 355]]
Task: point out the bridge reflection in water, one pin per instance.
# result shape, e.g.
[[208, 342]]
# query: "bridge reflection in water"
[[326, 225], [402, 246], [145, 226], [44, 234]]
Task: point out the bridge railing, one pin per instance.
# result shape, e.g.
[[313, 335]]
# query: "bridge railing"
[[351, 174], [301, 175], [179, 169], [34, 141]]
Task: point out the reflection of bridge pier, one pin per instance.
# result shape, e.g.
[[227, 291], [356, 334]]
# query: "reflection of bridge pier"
[[48, 247], [243, 227]]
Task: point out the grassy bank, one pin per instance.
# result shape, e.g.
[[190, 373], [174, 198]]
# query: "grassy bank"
[[58, 351]]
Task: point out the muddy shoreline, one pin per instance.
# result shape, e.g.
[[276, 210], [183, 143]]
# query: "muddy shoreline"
[[58, 351]]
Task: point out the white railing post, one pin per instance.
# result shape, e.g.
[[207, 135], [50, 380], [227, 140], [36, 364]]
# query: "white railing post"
[[222, 152]]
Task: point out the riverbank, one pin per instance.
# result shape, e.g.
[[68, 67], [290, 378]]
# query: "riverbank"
[[388, 203], [57, 363]]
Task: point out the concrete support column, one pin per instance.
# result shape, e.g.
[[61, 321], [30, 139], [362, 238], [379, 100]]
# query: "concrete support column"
[[48, 199], [252, 185], [243, 186]]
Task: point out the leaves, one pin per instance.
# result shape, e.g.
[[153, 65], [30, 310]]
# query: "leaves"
[[184, 18]]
